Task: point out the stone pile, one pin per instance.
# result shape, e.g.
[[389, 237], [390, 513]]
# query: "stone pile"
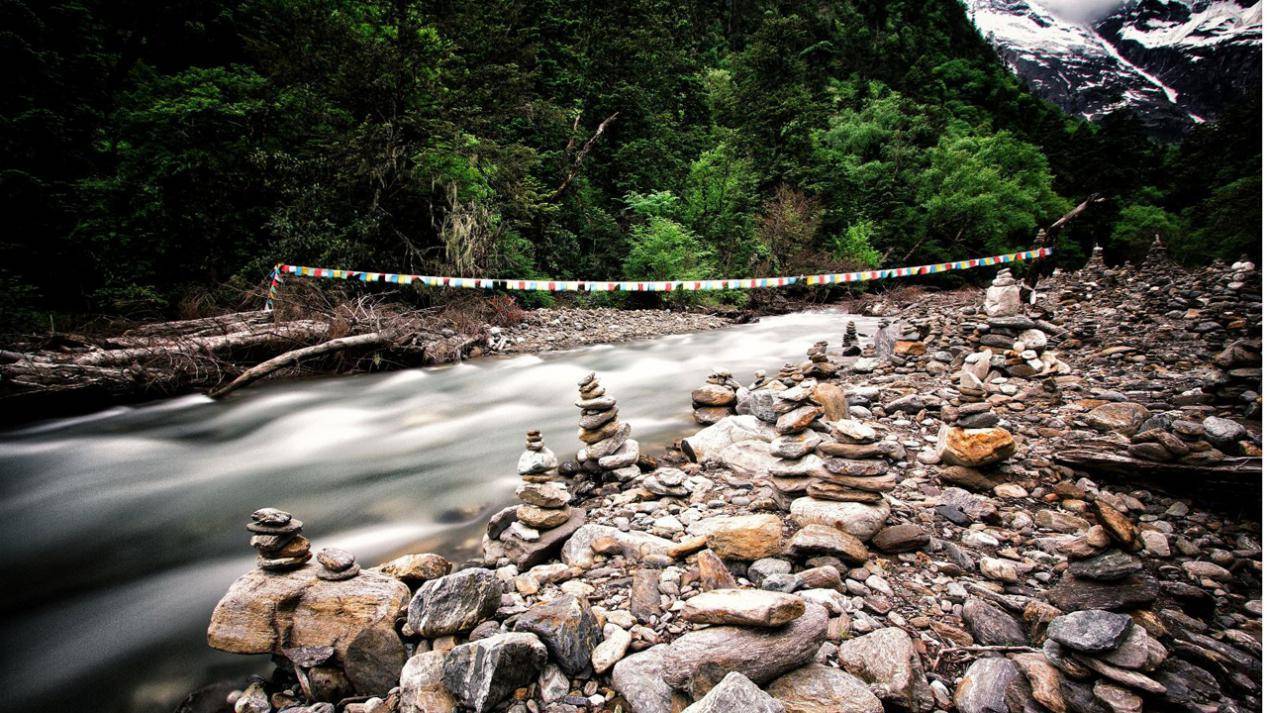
[[792, 412], [278, 540], [856, 466], [538, 464], [1003, 296], [850, 345], [337, 565], [714, 400], [1107, 657], [820, 365], [608, 452], [789, 374]]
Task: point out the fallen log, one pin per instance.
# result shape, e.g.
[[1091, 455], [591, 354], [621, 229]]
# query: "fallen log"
[[204, 326], [274, 336], [263, 369]]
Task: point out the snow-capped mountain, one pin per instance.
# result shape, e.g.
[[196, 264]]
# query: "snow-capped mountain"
[[1174, 62]]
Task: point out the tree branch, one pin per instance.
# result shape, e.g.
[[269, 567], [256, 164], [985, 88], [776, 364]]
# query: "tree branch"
[[580, 156]]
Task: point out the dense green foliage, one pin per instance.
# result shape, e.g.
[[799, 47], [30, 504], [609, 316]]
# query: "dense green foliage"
[[151, 150]]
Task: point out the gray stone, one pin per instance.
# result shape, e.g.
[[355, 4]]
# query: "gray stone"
[[1072, 594], [697, 660], [1091, 630], [735, 693], [858, 519], [568, 628], [454, 603], [1107, 567], [983, 688], [1222, 432], [482, 674]]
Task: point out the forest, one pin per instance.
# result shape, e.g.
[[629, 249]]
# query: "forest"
[[162, 157]]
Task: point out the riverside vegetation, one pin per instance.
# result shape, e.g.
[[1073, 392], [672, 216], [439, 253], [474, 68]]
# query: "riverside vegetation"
[[1036, 501], [156, 160]]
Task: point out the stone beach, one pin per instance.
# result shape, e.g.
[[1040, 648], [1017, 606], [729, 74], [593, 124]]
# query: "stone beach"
[[1019, 501]]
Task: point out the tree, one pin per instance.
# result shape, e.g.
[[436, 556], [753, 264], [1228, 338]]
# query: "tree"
[[1139, 225]]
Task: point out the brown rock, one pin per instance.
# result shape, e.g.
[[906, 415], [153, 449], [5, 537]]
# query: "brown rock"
[[713, 395], [713, 573], [743, 607], [1044, 680], [832, 398], [415, 569], [905, 537], [974, 447], [823, 539], [1124, 417], [541, 518], [644, 595], [745, 537], [1119, 526]]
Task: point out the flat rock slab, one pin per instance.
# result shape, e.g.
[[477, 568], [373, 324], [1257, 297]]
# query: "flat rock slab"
[[698, 660], [1090, 631], [990, 625], [861, 520], [736, 693], [822, 689], [742, 537], [823, 540], [743, 607], [1073, 594]]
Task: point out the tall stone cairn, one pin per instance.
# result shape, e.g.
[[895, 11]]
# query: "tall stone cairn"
[[849, 344], [278, 539], [608, 449]]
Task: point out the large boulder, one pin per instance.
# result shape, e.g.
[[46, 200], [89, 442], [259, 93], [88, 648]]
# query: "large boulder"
[[735, 693], [698, 660], [422, 685], [708, 443], [568, 628], [861, 520], [485, 672], [268, 612], [822, 689], [974, 447], [743, 607], [454, 603], [742, 537], [886, 660]]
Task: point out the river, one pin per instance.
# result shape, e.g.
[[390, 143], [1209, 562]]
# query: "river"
[[122, 529]]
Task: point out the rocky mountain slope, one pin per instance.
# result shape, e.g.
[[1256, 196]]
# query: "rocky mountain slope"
[[1175, 62]]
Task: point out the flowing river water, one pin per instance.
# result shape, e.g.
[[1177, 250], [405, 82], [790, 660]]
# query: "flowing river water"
[[121, 530]]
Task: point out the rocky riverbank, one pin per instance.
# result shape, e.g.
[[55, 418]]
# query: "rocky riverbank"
[[997, 504]]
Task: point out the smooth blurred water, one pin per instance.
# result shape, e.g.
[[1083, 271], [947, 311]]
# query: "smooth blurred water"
[[121, 530]]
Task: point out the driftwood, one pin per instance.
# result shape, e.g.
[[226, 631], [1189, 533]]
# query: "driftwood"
[[272, 336], [263, 369]]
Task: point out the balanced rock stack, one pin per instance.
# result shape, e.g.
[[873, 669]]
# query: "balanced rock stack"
[[849, 344], [715, 400], [1104, 571], [1003, 297], [538, 464], [337, 565], [608, 448], [789, 375], [792, 412], [819, 366], [544, 506], [278, 540], [855, 468]]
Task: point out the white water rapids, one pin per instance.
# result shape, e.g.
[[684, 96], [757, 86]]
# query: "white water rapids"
[[121, 530]]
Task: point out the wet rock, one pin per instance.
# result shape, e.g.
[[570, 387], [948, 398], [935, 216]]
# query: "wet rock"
[[886, 660], [743, 607], [697, 660], [568, 628], [454, 603], [1090, 631], [984, 686], [822, 689], [482, 674], [735, 693]]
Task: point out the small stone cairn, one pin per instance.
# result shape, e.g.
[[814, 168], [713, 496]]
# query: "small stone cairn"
[[1003, 297], [849, 344], [820, 365], [855, 468], [789, 375], [538, 464], [337, 565], [608, 450], [278, 540], [715, 400]]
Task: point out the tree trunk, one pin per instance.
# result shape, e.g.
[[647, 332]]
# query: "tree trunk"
[[263, 369]]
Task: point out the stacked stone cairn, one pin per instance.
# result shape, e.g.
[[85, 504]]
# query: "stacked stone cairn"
[[715, 400], [543, 496], [849, 344], [792, 412], [819, 365], [278, 540], [538, 464], [1003, 296], [609, 452], [789, 375], [856, 466], [337, 565]]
